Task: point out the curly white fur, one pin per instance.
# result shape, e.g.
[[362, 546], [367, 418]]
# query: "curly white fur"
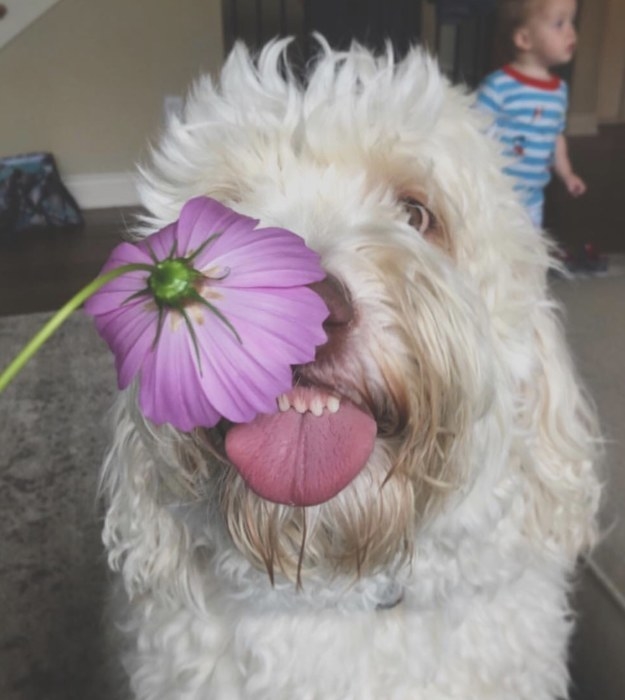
[[442, 570]]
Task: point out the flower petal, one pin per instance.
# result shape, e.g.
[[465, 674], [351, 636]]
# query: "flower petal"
[[169, 386], [161, 243], [264, 258], [126, 253], [270, 322], [116, 293], [130, 334], [203, 217], [239, 383]]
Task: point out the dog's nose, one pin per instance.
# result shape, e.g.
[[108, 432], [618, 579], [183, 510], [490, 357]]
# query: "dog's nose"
[[338, 301]]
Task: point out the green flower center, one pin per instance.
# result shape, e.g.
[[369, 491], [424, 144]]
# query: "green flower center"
[[172, 282]]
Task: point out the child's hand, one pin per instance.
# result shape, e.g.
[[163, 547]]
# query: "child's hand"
[[575, 185]]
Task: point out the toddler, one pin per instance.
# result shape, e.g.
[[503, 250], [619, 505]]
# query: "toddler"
[[528, 101]]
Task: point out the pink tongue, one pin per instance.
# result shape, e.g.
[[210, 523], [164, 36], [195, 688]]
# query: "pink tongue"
[[302, 459]]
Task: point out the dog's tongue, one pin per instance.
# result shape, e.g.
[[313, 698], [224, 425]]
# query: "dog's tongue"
[[299, 458]]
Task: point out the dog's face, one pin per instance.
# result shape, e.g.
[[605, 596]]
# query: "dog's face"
[[432, 270]]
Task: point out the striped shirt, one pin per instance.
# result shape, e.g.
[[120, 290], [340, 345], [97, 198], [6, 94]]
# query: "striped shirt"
[[529, 116]]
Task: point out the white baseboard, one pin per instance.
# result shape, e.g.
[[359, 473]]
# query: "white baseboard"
[[103, 191], [580, 124]]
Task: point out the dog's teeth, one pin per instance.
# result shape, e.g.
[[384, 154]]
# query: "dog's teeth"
[[316, 406], [333, 404], [303, 403], [299, 404]]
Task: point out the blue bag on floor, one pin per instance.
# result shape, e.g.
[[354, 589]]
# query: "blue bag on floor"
[[32, 195]]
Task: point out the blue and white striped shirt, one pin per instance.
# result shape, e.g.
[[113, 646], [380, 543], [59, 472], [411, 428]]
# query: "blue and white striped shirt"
[[529, 116]]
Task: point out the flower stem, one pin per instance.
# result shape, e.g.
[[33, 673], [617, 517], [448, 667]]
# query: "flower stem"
[[59, 317]]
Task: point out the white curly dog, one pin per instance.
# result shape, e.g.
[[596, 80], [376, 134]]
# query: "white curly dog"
[[442, 570]]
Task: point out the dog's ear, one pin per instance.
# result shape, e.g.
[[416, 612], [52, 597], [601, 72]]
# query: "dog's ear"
[[564, 443]]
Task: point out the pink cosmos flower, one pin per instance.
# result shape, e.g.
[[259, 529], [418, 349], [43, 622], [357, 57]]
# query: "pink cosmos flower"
[[213, 317]]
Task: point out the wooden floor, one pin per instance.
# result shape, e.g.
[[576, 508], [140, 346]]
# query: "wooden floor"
[[41, 270]]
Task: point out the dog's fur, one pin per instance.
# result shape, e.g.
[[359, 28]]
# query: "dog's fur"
[[442, 571]]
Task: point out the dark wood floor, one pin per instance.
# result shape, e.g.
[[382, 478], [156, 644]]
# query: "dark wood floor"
[[41, 270]]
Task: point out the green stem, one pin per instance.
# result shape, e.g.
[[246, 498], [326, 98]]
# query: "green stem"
[[60, 316]]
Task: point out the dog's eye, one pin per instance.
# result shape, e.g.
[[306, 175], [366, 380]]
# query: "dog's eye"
[[419, 216]]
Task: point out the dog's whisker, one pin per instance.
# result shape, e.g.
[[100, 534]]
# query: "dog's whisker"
[[439, 483]]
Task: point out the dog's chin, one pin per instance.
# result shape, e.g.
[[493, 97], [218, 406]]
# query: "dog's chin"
[[323, 487], [311, 486]]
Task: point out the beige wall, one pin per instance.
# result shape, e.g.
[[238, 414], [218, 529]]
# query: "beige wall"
[[612, 73], [598, 84], [87, 80], [587, 60]]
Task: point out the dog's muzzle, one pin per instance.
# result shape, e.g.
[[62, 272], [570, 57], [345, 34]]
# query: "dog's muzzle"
[[319, 441]]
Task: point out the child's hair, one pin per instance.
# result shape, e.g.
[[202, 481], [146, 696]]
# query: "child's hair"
[[512, 14]]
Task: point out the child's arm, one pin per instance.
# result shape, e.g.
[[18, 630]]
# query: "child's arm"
[[562, 165]]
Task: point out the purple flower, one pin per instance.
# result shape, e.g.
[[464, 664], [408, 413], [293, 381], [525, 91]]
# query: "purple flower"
[[213, 317]]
